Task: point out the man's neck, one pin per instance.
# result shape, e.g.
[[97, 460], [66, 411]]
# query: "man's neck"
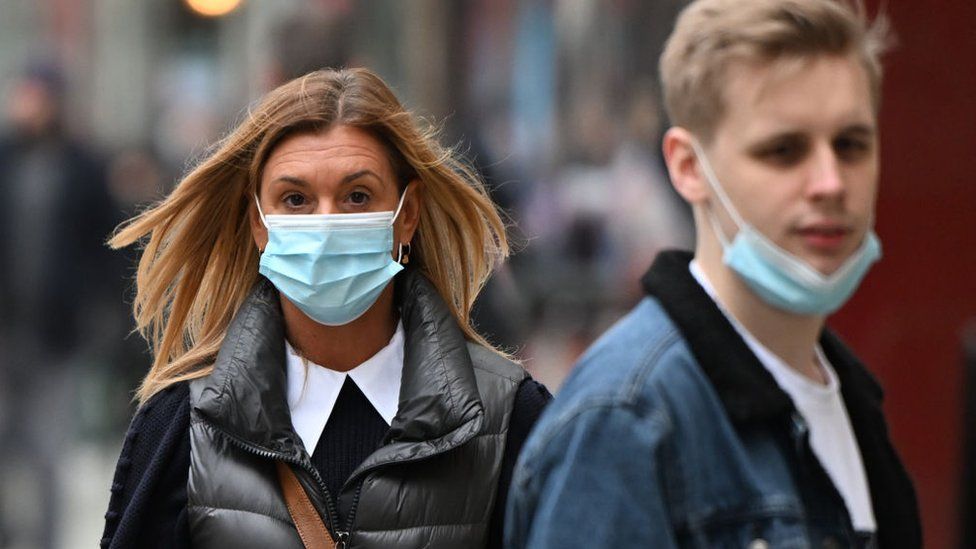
[[791, 337]]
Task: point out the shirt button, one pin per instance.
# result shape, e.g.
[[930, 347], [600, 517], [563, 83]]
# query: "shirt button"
[[758, 543]]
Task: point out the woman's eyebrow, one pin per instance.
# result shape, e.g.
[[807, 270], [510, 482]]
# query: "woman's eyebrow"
[[291, 179], [361, 173]]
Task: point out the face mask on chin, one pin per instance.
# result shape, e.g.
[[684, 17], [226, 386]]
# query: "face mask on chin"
[[778, 277], [333, 267]]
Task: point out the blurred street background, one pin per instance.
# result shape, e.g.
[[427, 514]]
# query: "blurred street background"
[[107, 102]]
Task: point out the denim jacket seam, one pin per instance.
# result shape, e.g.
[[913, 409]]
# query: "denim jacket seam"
[[755, 511], [659, 417], [650, 361], [626, 399], [628, 396]]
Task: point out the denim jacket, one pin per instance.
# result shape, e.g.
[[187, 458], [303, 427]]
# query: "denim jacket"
[[670, 433]]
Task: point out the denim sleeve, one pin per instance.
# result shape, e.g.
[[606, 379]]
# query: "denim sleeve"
[[592, 477]]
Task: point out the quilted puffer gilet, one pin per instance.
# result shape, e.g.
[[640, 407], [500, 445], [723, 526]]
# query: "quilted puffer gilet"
[[433, 481]]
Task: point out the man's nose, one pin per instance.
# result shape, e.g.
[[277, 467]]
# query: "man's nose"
[[825, 180]]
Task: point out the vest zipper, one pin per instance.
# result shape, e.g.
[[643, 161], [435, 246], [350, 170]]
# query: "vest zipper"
[[349, 518], [341, 537]]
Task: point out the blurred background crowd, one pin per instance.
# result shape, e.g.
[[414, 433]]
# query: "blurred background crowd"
[[107, 102]]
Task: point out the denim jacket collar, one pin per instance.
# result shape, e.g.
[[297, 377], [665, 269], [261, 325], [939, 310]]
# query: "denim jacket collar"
[[747, 390]]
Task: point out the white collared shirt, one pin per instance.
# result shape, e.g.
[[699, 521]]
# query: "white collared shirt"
[[313, 390], [822, 406]]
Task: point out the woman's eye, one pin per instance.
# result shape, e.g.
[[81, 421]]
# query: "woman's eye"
[[295, 200], [358, 198]]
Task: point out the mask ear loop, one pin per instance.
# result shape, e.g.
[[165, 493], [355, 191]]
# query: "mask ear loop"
[[396, 214], [260, 213], [717, 229], [720, 192], [402, 258]]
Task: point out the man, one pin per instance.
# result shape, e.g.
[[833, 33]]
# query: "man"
[[720, 412], [55, 275]]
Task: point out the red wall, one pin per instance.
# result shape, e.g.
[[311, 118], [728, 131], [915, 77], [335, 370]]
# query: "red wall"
[[906, 320]]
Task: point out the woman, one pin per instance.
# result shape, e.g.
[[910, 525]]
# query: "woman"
[[307, 290]]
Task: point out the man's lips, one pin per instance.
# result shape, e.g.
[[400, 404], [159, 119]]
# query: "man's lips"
[[825, 237]]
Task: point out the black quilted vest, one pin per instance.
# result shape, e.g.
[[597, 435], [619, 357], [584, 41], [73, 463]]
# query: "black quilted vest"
[[431, 484]]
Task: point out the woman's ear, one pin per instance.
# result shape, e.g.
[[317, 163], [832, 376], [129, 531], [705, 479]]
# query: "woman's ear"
[[258, 231], [409, 218], [683, 166]]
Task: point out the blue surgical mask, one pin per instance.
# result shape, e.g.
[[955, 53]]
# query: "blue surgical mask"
[[331, 266], [778, 277]]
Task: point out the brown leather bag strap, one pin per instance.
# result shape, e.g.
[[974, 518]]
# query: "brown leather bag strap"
[[307, 521]]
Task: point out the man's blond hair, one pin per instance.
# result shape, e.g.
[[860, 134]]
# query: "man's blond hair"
[[711, 34]]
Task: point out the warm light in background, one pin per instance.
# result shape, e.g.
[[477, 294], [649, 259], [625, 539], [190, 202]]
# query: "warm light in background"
[[213, 8]]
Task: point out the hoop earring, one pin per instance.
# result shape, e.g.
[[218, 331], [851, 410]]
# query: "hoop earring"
[[404, 258]]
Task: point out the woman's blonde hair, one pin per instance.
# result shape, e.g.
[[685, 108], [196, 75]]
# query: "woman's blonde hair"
[[199, 261]]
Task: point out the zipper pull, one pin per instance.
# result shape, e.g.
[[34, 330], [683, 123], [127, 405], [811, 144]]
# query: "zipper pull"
[[342, 540]]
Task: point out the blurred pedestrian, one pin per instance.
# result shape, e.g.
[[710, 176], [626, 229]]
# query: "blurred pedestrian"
[[721, 412], [55, 217], [307, 292]]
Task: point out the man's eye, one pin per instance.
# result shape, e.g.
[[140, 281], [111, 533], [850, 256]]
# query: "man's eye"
[[358, 198], [784, 153], [851, 148]]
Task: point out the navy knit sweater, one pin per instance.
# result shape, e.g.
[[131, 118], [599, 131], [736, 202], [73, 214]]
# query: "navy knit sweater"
[[148, 504]]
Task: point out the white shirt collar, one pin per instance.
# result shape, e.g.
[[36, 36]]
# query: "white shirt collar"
[[312, 397]]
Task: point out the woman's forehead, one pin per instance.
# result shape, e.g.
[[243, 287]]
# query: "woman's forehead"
[[329, 152]]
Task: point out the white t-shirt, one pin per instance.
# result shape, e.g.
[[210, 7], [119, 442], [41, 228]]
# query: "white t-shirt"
[[822, 406], [313, 390]]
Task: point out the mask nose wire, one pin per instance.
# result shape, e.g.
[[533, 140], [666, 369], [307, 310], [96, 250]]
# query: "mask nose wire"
[[395, 214]]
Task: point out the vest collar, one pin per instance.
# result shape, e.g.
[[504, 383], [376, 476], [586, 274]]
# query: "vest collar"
[[440, 407]]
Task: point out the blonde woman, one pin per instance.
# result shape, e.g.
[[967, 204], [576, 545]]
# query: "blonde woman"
[[306, 290]]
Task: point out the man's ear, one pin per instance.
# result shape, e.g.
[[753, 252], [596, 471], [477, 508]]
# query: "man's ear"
[[258, 231], [683, 166]]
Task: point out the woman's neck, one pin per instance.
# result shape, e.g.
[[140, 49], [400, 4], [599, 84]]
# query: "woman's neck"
[[341, 348]]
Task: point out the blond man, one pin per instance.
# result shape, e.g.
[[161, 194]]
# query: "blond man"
[[721, 412]]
